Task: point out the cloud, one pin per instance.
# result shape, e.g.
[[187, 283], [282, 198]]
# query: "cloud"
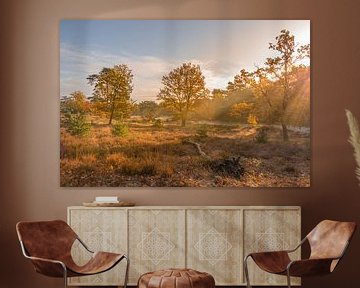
[[76, 65]]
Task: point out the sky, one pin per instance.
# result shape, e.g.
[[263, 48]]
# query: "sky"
[[152, 48]]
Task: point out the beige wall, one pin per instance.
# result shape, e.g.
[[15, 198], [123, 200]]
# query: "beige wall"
[[29, 111]]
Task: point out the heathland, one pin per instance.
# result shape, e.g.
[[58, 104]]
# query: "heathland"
[[168, 156], [254, 133]]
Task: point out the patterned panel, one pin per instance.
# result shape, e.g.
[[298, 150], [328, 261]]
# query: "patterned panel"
[[270, 230], [101, 230], [214, 242], [156, 241]]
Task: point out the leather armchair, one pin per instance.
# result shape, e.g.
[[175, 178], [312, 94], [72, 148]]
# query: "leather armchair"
[[48, 245], [328, 242]]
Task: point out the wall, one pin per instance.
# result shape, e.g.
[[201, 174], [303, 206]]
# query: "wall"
[[29, 112]]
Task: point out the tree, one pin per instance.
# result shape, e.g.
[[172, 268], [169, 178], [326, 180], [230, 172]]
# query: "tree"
[[74, 111], [284, 68], [149, 110], [241, 81], [298, 109], [112, 90], [241, 111], [218, 94], [77, 103], [183, 89], [266, 92]]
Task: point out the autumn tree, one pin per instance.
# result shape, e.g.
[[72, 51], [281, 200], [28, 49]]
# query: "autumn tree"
[[183, 89], [74, 110], [241, 111], [149, 110], [276, 85], [112, 90], [77, 103], [284, 68], [218, 94], [209, 108], [241, 81], [298, 110], [266, 92], [240, 97]]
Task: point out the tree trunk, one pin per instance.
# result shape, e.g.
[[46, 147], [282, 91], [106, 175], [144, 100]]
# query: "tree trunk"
[[285, 132], [183, 122], [112, 110], [183, 119], [111, 116]]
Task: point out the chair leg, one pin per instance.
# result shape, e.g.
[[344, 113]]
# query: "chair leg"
[[246, 270], [288, 278], [127, 271], [65, 276]]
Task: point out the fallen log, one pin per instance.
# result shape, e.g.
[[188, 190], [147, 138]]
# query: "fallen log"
[[198, 148], [225, 167]]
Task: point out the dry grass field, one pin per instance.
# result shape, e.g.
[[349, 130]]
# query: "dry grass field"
[[167, 156]]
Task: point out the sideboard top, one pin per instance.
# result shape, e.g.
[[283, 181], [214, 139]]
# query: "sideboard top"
[[192, 207]]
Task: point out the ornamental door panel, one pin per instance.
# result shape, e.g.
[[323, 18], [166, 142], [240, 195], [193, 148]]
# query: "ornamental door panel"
[[101, 230], [271, 230], [156, 240], [214, 244]]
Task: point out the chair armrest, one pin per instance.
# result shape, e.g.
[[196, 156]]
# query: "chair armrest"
[[298, 246], [280, 251], [84, 245], [309, 267], [48, 267], [45, 260], [269, 252]]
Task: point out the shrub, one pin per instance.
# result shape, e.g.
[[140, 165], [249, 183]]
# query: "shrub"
[[202, 130], [158, 123], [76, 125], [262, 135], [289, 169], [120, 130], [252, 120]]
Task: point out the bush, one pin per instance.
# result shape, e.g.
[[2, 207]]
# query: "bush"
[[158, 123], [76, 125], [202, 131], [120, 130], [262, 135], [252, 120]]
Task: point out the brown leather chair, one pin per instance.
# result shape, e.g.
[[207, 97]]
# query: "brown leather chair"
[[328, 242], [48, 245]]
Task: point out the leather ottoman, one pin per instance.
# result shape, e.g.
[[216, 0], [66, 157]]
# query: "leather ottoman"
[[176, 278]]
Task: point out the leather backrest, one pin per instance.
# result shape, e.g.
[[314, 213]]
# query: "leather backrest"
[[47, 239], [329, 238]]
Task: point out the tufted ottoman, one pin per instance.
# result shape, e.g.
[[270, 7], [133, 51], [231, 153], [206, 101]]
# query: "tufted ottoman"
[[176, 278]]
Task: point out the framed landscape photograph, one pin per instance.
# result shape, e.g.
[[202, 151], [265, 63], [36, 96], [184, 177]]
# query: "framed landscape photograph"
[[185, 103]]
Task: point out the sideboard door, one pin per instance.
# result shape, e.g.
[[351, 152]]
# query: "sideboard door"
[[214, 244], [156, 240], [270, 230], [101, 230]]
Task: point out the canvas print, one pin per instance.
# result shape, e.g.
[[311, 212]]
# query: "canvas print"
[[185, 103]]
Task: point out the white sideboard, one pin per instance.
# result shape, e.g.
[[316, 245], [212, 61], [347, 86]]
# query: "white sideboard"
[[212, 239]]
